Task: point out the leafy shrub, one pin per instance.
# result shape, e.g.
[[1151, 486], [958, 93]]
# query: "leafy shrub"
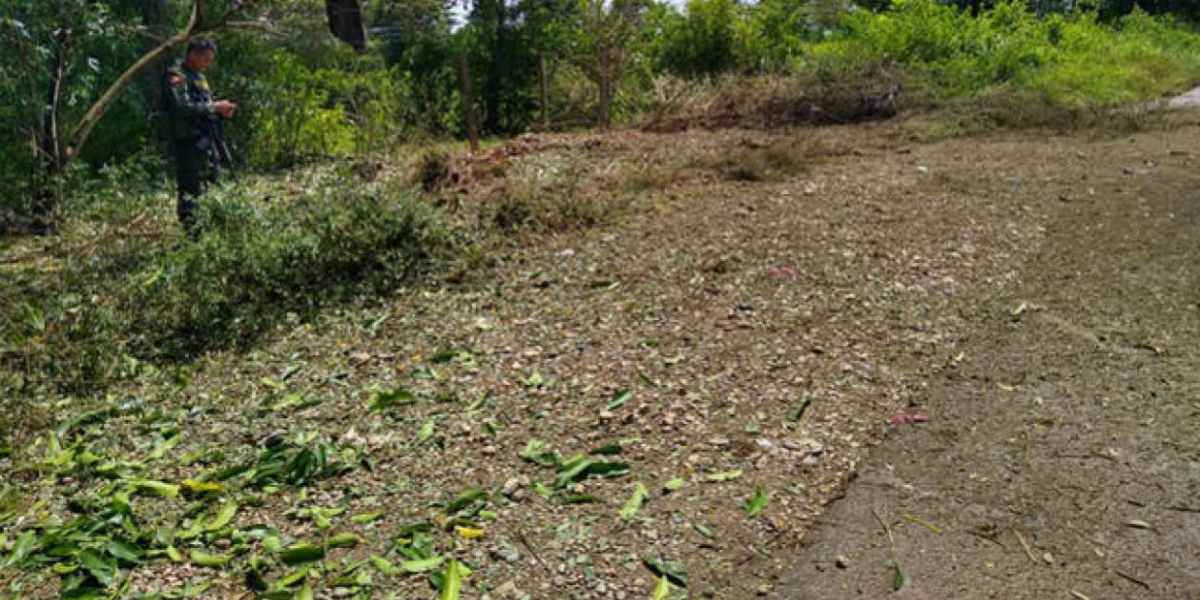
[[125, 295], [1066, 63]]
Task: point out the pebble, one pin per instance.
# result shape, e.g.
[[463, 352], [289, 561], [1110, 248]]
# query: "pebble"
[[842, 561]]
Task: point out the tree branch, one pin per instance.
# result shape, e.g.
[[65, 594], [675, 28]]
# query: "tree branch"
[[88, 122], [259, 25]]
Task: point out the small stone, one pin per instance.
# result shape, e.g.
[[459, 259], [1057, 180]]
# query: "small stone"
[[764, 589], [510, 487], [842, 561]]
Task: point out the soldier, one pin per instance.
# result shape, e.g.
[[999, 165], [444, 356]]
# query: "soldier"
[[189, 102]]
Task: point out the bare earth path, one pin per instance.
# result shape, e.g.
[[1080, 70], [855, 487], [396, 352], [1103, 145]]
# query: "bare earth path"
[[1062, 459]]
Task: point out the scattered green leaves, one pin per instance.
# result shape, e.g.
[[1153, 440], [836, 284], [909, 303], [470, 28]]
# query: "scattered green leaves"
[[452, 581], [582, 467], [635, 501], [302, 554], [724, 476], [385, 400], [672, 571], [756, 504], [619, 399], [539, 452]]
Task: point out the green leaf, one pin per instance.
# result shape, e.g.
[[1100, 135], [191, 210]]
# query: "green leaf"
[[582, 499], [164, 446], [343, 540], [704, 530], [384, 400], [581, 468], [302, 553], [386, 567], [674, 485], [533, 381], [607, 450], [305, 593], [539, 452], [465, 500], [422, 566], [209, 560], [21, 549], [898, 580], [663, 589], [366, 517], [103, 569], [158, 488], [444, 356], [673, 571], [725, 475], [922, 522], [451, 581], [426, 431], [635, 501], [795, 414], [756, 504], [122, 550], [479, 402], [224, 516], [619, 399], [572, 470]]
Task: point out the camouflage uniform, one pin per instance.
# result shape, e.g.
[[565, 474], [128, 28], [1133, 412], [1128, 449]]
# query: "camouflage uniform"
[[188, 100]]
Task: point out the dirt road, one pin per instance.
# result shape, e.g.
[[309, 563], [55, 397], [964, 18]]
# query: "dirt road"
[[1061, 459]]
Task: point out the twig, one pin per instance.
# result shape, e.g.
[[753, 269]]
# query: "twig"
[[886, 529], [106, 233], [1079, 595], [529, 547], [1132, 579], [1025, 545], [1182, 508], [263, 27]]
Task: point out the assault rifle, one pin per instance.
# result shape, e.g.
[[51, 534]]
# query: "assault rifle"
[[213, 141]]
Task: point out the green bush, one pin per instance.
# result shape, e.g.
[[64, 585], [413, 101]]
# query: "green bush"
[[1068, 62], [106, 299]]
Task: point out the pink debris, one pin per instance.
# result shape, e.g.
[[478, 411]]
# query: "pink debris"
[[784, 273], [904, 418]]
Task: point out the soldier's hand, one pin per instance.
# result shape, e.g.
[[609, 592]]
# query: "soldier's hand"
[[224, 108]]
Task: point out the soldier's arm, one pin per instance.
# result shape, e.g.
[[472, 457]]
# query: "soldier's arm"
[[181, 104]]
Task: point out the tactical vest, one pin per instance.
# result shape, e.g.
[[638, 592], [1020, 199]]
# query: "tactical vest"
[[186, 98]]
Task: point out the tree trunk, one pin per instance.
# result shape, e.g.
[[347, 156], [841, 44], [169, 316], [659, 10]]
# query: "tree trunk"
[[605, 79], [464, 75], [157, 23], [495, 77], [544, 91]]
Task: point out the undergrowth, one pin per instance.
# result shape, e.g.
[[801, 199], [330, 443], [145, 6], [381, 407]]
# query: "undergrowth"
[[1006, 68], [121, 290]]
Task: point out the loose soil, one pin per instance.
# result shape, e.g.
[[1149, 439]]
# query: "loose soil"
[[1033, 295]]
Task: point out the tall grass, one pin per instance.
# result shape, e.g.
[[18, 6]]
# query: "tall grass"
[[1063, 62]]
